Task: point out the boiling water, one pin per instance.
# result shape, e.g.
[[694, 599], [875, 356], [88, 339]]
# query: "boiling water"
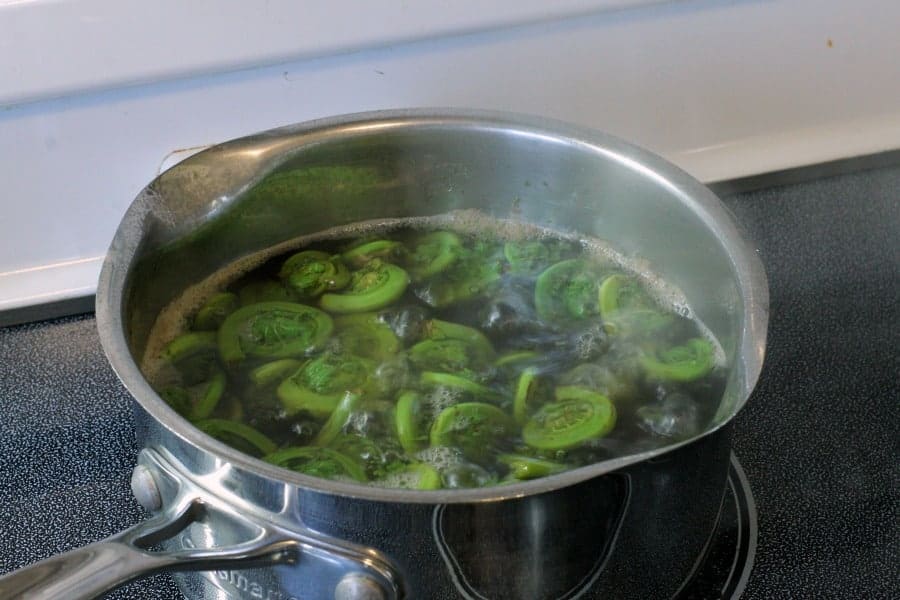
[[569, 345]]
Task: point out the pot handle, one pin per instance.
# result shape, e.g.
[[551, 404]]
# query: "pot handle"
[[97, 568]]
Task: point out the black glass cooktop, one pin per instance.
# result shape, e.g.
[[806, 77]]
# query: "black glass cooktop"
[[818, 443]]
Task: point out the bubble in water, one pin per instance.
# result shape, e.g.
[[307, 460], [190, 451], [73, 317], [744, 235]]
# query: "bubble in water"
[[510, 309], [407, 480], [682, 310], [590, 342], [405, 321], [392, 375], [466, 475], [358, 422], [601, 378], [440, 457], [442, 397], [676, 417]]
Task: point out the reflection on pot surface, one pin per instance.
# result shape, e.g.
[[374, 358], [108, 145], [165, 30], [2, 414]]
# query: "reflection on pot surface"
[[597, 539]]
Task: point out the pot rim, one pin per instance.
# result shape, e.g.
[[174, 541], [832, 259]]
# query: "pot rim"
[[715, 216]]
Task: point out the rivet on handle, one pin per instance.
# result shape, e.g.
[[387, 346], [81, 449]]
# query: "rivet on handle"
[[144, 488], [357, 586]]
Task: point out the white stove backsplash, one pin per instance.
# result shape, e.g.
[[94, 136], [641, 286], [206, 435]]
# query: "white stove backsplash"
[[721, 88]]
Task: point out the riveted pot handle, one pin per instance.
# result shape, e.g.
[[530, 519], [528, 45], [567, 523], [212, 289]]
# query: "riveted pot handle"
[[328, 567], [97, 568], [205, 533]]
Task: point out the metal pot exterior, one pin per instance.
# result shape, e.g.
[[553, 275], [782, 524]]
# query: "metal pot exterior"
[[635, 533], [630, 527]]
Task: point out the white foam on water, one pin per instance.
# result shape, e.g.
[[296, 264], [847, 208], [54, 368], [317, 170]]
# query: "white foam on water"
[[440, 457]]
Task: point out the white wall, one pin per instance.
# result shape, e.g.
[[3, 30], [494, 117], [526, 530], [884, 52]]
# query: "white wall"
[[722, 88]]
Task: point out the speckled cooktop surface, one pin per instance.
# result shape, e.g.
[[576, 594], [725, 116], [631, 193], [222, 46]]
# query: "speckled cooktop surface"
[[819, 439]]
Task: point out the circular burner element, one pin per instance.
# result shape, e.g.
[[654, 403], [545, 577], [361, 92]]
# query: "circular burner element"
[[726, 564]]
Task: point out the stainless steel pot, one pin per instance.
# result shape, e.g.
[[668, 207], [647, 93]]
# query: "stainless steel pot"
[[630, 527]]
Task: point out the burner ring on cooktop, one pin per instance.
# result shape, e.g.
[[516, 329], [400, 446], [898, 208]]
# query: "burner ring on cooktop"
[[725, 566]]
